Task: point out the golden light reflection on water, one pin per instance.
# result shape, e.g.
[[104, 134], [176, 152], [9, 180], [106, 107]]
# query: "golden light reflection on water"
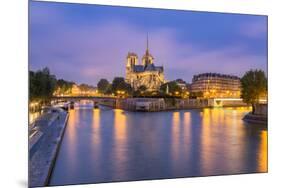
[[187, 131], [120, 139], [216, 116], [96, 136], [96, 126], [73, 117], [206, 139], [224, 137], [184, 143], [119, 126], [33, 116], [236, 138], [175, 136], [72, 136], [262, 158]]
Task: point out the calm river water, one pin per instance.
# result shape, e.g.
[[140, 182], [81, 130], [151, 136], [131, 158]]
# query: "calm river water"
[[115, 145]]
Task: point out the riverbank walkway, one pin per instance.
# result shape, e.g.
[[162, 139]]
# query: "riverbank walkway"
[[44, 142]]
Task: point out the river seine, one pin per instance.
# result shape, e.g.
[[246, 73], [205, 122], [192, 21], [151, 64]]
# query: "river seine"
[[105, 145]]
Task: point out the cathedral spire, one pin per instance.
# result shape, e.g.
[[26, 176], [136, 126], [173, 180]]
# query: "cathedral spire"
[[147, 58], [147, 51]]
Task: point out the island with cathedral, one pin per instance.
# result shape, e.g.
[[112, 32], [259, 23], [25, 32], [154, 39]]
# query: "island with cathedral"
[[145, 88]]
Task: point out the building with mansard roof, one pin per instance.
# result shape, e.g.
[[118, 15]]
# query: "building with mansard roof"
[[214, 85]]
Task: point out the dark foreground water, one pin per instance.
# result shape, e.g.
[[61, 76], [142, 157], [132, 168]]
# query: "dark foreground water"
[[114, 145]]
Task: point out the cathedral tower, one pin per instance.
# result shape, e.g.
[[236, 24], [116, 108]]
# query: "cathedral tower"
[[132, 61]]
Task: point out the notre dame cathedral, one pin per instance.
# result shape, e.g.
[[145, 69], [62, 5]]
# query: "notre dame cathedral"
[[146, 74]]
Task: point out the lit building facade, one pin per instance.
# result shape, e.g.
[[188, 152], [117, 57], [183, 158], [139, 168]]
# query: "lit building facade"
[[213, 85], [76, 90], [145, 74]]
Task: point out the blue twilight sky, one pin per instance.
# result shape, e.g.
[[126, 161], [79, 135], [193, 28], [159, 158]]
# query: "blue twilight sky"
[[84, 43]]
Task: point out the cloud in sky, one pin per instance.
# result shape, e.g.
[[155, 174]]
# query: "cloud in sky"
[[84, 52], [255, 29]]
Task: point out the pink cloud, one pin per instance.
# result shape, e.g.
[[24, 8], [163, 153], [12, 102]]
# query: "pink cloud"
[[255, 29]]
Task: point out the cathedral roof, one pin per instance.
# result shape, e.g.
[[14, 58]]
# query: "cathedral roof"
[[149, 67], [138, 68]]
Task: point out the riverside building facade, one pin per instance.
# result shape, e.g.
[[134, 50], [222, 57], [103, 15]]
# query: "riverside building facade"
[[213, 85], [146, 74]]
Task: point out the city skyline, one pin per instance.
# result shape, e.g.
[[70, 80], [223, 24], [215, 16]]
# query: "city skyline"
[[84, 43]]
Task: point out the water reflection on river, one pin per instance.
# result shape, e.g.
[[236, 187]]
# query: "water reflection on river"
[[114, 145], [33, 116]]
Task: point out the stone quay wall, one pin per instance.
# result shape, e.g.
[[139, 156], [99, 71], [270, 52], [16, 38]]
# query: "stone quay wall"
[[161, 104], [141, 104], [157, 104], [261, 109], [43, 149], [259, 116]]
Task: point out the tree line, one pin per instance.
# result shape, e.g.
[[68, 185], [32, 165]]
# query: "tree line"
[[43, 84], [119, 85]]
